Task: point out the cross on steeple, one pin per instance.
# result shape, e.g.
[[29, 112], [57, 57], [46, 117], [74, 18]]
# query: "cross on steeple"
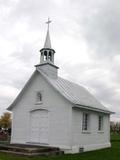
[[48, 22]]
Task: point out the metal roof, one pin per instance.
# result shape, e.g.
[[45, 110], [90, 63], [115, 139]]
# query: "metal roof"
[[75, 93]]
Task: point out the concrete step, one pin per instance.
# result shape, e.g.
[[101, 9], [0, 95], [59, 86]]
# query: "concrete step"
[[29, 150], [33, 154]]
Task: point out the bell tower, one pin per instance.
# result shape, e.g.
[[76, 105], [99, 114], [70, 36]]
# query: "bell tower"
[[47, 56]]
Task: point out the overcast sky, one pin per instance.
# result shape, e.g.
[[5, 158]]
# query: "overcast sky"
[[84, 33]]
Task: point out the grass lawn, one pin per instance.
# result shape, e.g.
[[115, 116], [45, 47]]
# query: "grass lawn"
[[112, 153]]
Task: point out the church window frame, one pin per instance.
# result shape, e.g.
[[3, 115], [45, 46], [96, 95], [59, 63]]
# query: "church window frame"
[[100, 123], [39, 97], [86, 122]]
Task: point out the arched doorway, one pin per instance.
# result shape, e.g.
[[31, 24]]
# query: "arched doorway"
[[39, 126]]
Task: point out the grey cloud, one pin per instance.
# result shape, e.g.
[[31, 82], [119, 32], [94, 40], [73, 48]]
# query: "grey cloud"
[[26, 55], [15, 73], [102, 28], [34, 13]]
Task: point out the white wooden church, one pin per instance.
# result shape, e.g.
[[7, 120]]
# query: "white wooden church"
[[52, 111]]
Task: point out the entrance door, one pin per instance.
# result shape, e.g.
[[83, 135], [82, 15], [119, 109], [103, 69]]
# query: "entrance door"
[[39, 126]]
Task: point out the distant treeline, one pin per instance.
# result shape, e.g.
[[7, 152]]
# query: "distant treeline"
[[115, 127]]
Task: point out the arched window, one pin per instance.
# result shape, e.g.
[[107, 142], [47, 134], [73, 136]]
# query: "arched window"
[[39, 97], [45, 55], [50, 56]]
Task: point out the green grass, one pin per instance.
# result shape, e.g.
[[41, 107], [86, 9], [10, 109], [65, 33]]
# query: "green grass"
[[112, 153], [115, 137]]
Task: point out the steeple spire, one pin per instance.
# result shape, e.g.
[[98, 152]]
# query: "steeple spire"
[[47, 41], [47, 53]]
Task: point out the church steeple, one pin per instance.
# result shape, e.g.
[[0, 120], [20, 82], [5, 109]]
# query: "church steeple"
[[47, 53], [47, 57]]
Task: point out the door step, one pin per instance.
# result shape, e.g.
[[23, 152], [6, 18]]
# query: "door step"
[[33, 154], [29, 150]]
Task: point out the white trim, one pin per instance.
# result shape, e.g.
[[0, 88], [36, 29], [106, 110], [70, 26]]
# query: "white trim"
[[41, 109], [86, 132], [39, 103], [100, 131], [38, 107]]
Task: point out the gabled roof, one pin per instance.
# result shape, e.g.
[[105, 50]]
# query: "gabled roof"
[[74, 93]]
